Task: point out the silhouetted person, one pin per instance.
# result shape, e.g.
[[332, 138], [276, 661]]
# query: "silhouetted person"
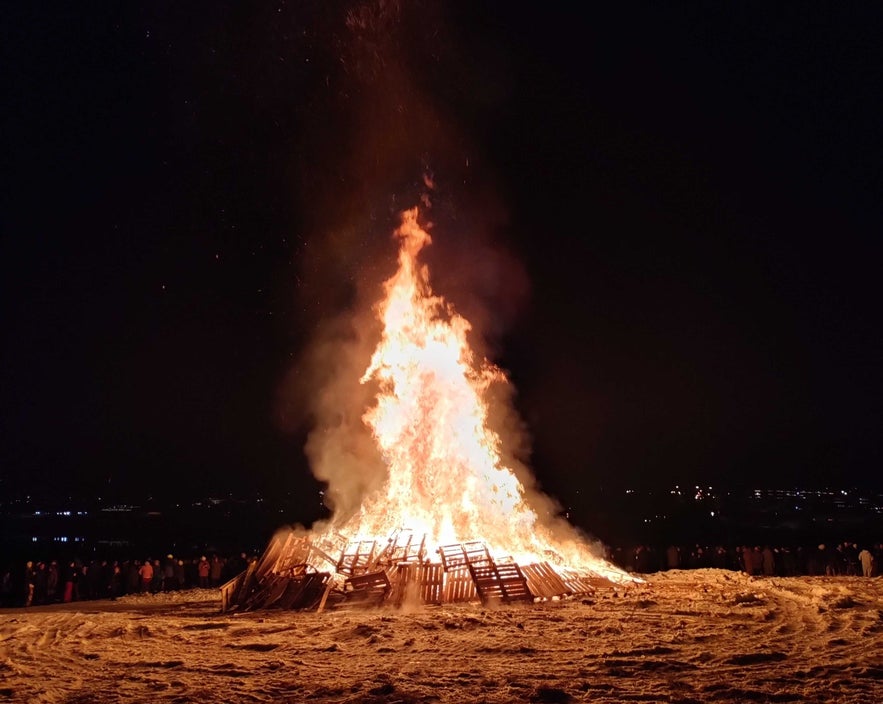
[[215, 571], [71, 576], [156, 584], [29, 582], [768, 560], [116, 580], [168, 572], [672, 557], [6, 588], [133, 577], [180, 574], [52, 578], [40, 579]]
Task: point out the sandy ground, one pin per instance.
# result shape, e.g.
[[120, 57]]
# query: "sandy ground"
[[683, 636]]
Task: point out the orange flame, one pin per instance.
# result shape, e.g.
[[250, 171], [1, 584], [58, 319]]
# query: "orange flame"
[[446, 477]]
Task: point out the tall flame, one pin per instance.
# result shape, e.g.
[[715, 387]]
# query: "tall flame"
[[446, 476]]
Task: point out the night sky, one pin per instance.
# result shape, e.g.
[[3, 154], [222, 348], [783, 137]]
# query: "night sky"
[[664, 220]]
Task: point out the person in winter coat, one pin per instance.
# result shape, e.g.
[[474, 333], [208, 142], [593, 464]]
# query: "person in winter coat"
[[215, 573], [52, 582], [204, 568], [168, 572], [867, 560], [146, 574]]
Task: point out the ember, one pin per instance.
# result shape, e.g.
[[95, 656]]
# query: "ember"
[[451, 522]]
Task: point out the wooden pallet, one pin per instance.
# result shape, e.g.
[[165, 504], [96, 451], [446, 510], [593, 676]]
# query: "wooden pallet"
[[431, 579], [305, 591], [287, 575], [369, 589], [235, 592], [230, 592], [462, 554], [403, 546], [499, 582], [428, 583], [459, 586], [357, 557], [543, 581]]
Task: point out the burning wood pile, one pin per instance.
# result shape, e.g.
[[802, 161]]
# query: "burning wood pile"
[[444, 475], [299, 573]]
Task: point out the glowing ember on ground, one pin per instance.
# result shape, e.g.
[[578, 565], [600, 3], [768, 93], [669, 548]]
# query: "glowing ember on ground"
[[446, 476]]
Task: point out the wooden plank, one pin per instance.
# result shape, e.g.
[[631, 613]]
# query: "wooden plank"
[[329, 585], [247, 586], [400, 578], [271, 555], [432, 582]]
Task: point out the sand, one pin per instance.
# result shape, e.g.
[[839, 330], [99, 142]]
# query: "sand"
[[683, 636]]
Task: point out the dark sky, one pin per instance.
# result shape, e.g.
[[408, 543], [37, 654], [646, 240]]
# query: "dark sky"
[[666, 220]]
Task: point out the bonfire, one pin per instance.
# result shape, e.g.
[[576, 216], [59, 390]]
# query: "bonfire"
[[451, 521]]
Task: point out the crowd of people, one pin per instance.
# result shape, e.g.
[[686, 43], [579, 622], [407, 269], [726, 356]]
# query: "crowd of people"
[[55, 581], [52, 581], [845, 558]]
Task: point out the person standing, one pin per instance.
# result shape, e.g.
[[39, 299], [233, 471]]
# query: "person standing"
[[71, 593], [156, 585], [116, 580], [216, 568], [52, 582], [768, 561], [146, 574], [867, 561], [30, 582], [203, 569], [6, 589], [180, 575], [168, 573], [672, 557]]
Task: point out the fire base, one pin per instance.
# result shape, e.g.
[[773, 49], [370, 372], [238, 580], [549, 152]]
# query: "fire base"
[[298, 572]]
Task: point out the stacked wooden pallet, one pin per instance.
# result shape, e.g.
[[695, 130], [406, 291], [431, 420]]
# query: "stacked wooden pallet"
[[296, 572]]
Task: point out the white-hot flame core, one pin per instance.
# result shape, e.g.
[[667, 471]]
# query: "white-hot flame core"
[[446, 477]]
